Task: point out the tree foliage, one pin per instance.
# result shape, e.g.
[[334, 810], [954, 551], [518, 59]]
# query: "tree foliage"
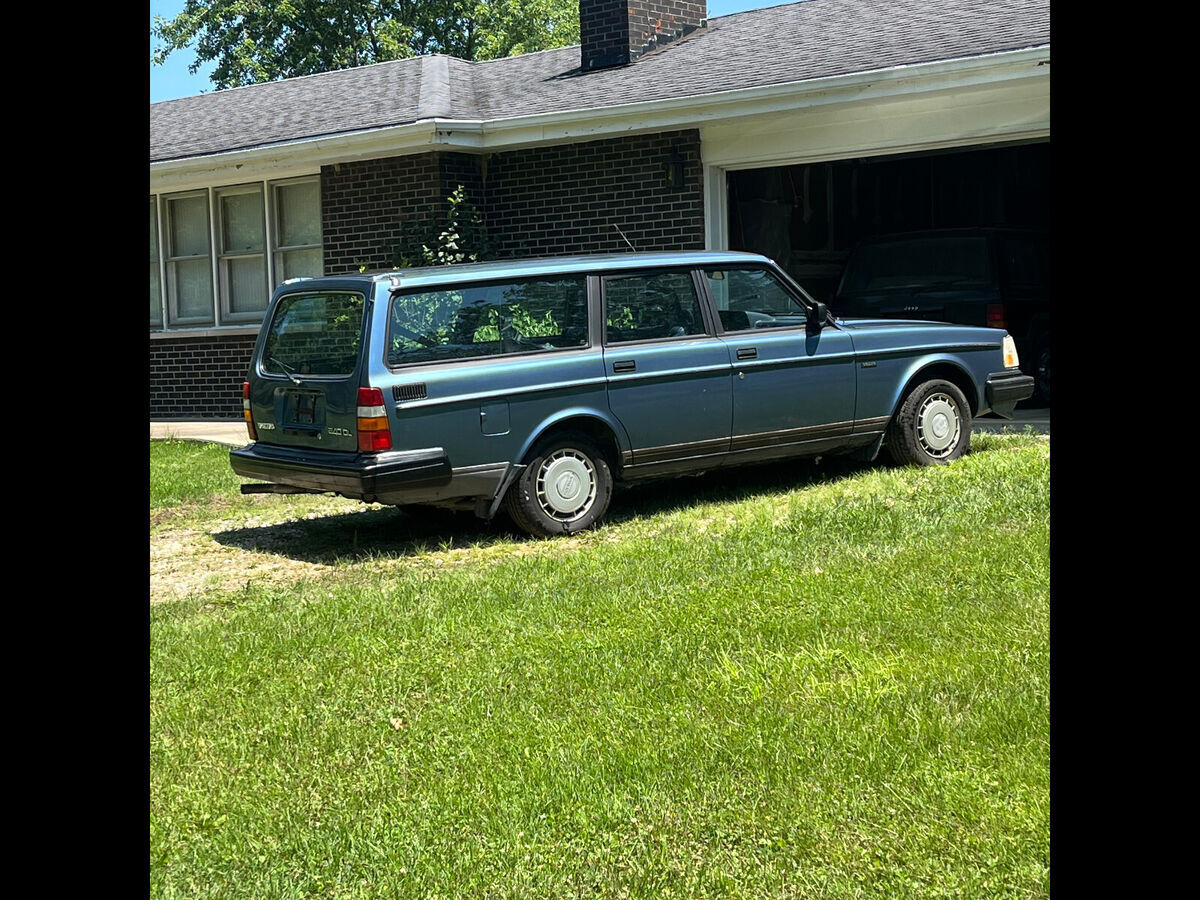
[[253, 41]]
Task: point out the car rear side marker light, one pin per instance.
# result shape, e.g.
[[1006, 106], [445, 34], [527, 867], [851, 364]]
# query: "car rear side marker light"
[[246, 411], [995, 316], [373, 431]]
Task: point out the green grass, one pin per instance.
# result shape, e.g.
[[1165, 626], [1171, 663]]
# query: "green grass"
[[189, 472], [792, 681]]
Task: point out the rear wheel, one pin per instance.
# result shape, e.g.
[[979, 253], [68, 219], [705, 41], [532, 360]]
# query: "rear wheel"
[[932, 426], [565, 488]]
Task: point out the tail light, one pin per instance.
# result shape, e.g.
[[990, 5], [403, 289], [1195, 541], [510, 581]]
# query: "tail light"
[[995, 316], [246, 411], [373, 431]]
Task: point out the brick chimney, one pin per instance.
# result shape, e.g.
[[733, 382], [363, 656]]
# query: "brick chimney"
[[616, 32]]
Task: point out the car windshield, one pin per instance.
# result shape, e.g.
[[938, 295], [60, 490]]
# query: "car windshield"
[[918, 263], [314, 334]]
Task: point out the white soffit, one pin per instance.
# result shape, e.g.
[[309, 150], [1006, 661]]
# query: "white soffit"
[[1017, 109]]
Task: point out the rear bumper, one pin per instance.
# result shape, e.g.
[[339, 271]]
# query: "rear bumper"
[[1003, 390], [358, 475]]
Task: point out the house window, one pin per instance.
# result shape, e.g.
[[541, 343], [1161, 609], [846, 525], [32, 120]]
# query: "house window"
[[155, 272], [189, 264], [242, 264], [298, 252], [219, 267]]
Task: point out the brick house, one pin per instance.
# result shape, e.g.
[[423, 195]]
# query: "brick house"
[[793, 131]]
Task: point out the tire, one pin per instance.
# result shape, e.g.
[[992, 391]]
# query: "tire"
[[565, 488], [932, 426], [1041, 374]]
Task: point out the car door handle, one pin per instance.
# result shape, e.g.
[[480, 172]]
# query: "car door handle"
[[747, 353], [625, 365]]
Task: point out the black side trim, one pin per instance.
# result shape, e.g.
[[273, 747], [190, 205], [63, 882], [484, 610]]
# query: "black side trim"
[[685, 450], [790, 436]]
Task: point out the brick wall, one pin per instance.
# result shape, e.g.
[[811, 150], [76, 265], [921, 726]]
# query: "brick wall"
[[198, 378], [365, 207], [656, 22], [542, 201], [372, 207], [564, 200]]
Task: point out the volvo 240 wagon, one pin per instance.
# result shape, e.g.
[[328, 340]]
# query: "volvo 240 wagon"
[[535, 384]]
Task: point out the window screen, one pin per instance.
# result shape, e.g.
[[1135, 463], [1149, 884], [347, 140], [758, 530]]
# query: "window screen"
[[189, 267], [298, 252], [243, 264]]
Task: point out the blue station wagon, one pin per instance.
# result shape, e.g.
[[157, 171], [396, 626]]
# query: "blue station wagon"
[[536, 384]]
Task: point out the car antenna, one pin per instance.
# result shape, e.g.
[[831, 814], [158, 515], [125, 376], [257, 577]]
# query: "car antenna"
[[625, 239]]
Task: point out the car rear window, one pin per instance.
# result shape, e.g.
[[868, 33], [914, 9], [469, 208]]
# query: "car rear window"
[[314, 334], [467, 321], [918, 263]]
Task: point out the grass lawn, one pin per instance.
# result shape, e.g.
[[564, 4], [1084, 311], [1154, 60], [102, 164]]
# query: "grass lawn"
[[795, 680]]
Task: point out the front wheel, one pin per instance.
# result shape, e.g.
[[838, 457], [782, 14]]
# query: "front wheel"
[[565, 488], [932, 426]]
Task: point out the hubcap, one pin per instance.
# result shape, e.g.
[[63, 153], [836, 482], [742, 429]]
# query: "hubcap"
[[938, 425], [566, 484]]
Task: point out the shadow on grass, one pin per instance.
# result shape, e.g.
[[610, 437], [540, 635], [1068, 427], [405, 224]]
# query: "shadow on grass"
[[396, 533]]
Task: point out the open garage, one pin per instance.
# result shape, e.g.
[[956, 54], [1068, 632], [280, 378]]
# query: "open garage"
[[809, 216]]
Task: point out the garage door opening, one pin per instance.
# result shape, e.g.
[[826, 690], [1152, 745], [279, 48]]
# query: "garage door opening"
[[808, 217]]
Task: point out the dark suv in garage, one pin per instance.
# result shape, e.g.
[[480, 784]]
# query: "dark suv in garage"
[[995, 277]]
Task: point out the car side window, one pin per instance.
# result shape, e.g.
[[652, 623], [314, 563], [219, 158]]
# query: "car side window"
[[658, 305], [752, 298], [469, 321]]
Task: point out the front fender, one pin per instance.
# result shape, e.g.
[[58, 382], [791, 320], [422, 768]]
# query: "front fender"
[[948, 366]]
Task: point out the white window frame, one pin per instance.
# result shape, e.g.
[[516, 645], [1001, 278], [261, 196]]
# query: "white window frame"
[[160, 252], [222, 317], [277, 251], [164, 224], [223, 257]]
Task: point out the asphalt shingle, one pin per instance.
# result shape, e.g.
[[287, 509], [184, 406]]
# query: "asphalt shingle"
[[777, 45]]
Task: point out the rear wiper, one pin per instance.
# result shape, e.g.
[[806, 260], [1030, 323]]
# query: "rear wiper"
[[287, 370]]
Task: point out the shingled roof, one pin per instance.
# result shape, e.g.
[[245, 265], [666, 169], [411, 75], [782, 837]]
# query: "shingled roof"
[[778, 45]]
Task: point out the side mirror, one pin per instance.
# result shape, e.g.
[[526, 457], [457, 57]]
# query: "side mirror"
[[818, 314]]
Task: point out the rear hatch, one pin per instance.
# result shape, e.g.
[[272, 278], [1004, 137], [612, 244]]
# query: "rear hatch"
[[307, 368], [934, 278]]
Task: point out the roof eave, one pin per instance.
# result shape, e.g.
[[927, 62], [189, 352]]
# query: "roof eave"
[[512, 132]]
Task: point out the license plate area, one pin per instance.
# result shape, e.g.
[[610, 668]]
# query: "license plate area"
[[304, 410]]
